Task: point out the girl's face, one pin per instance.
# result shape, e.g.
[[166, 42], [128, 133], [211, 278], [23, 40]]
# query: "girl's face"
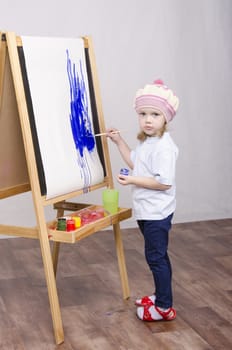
[[151, 121]]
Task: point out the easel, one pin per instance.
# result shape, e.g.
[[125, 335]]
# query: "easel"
[[14, 115]]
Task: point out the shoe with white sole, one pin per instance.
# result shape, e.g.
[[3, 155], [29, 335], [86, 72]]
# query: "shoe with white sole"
[[154, 313]]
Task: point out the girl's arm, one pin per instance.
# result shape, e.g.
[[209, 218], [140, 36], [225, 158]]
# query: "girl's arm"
[[145, 182], [123, 147]]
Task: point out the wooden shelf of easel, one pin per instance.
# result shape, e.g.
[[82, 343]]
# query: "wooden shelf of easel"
[[73, 236], [87, 229]]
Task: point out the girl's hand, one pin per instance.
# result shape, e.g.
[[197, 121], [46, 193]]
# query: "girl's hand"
[[114, 135], [125, 179]]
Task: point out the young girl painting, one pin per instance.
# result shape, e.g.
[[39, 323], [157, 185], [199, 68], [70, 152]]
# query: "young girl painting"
[[153, 165]]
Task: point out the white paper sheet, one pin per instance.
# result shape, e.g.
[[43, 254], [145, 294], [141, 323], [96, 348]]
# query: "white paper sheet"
[[57, 76]]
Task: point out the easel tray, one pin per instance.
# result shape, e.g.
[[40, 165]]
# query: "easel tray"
[[89, 228]]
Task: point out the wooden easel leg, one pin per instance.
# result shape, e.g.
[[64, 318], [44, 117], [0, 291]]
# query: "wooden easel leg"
[[55, 255], [52, 289], [35, 187], [121, 261]]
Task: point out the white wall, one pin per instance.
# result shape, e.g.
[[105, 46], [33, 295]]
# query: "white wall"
[[188, 45]]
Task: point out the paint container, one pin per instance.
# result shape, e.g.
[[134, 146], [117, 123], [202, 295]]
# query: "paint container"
[[70, 225], [99, 213], [61, 224], [124, 171], [77, 221], [85, 216]]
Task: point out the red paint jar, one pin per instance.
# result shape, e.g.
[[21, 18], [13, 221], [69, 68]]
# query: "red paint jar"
[[70, 225]]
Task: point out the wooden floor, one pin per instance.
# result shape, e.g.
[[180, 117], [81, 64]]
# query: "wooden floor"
[[93, 312]]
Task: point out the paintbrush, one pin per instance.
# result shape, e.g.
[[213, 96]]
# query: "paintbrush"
[[106, 133]]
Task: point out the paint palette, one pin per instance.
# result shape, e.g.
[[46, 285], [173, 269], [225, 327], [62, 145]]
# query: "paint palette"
[[88, 215]]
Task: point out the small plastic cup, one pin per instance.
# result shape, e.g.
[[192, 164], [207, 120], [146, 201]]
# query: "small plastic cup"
[[110, 200]]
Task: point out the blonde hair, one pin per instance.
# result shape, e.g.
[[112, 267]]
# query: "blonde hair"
[[142, 136]]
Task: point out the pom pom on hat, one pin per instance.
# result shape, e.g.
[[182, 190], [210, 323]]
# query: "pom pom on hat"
[[158, 82], [158, 96]]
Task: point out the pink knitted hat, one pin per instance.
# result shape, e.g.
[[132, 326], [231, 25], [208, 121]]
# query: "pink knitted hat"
[[157, 96]]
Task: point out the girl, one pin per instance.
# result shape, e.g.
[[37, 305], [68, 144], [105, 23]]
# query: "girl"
[[153, 188]]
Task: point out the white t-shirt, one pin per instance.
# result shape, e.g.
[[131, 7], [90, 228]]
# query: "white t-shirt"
[[155, 157]]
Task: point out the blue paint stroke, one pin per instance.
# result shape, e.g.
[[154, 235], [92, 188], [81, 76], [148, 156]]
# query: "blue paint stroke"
[[79, 118]]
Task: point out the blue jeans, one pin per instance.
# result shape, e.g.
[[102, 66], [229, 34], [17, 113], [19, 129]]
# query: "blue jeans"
[[156, 234]]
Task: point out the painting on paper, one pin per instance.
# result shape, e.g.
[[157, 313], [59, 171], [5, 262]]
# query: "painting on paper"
[[59, 90]]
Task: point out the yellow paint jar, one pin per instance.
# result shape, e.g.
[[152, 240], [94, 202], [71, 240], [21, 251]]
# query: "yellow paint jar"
[[77, 221]]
